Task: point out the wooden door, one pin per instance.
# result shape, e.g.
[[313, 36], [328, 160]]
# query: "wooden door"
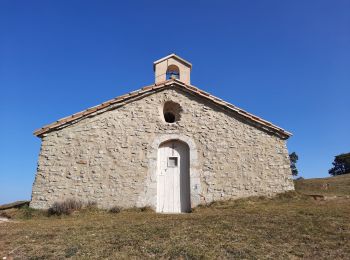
[[173, 182]]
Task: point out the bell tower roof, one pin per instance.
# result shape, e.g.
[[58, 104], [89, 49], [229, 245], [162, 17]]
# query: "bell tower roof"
[[174, 56], [172, 66]]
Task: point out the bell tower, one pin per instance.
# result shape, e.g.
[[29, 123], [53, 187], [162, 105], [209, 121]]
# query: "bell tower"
[[172, 67]]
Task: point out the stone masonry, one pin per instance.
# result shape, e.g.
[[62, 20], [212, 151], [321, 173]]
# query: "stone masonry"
[[109, 157]]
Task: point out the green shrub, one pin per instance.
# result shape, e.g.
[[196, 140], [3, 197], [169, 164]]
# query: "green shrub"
[[27, 212]]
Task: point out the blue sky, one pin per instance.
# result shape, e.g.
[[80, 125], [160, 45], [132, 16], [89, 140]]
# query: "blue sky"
[[286, 61]]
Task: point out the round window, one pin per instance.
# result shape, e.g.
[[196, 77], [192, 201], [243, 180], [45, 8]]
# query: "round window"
[[171, 112]]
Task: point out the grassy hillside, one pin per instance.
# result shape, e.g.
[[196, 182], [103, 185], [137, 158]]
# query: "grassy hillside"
[[288, 226], [338, 186]]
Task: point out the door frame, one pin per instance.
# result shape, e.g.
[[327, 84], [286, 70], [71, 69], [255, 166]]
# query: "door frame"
[[150, 195], [173, 168]]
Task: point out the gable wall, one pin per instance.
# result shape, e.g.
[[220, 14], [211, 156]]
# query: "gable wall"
[[108, 158]]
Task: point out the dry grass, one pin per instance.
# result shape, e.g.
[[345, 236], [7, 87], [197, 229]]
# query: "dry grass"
[[288, 226], [339, 186]]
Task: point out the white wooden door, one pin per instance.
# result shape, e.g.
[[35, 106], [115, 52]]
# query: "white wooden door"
[[173, 182]]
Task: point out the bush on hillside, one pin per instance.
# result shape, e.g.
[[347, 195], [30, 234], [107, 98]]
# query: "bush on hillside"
[[115, 209], [65, 207]]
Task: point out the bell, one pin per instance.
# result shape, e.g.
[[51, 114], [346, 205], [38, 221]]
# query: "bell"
[[174, 75]]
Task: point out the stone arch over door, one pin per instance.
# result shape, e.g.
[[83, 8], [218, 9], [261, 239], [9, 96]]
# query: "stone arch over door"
[[149, 197]]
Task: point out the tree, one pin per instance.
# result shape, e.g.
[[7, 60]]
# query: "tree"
[[293, 157], [341, 165]]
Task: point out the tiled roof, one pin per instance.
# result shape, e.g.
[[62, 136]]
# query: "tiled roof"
[[122, 100]]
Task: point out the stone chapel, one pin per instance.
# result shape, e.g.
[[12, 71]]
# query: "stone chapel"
[[170, 146]]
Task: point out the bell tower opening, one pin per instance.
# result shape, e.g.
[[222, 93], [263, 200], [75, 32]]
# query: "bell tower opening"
[[172, 67], [173, 72]]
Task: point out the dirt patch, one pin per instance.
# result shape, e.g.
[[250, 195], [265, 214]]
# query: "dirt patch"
[[2, 220]]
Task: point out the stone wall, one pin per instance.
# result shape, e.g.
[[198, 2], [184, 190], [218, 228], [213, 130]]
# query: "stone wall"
[[110, 158]]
